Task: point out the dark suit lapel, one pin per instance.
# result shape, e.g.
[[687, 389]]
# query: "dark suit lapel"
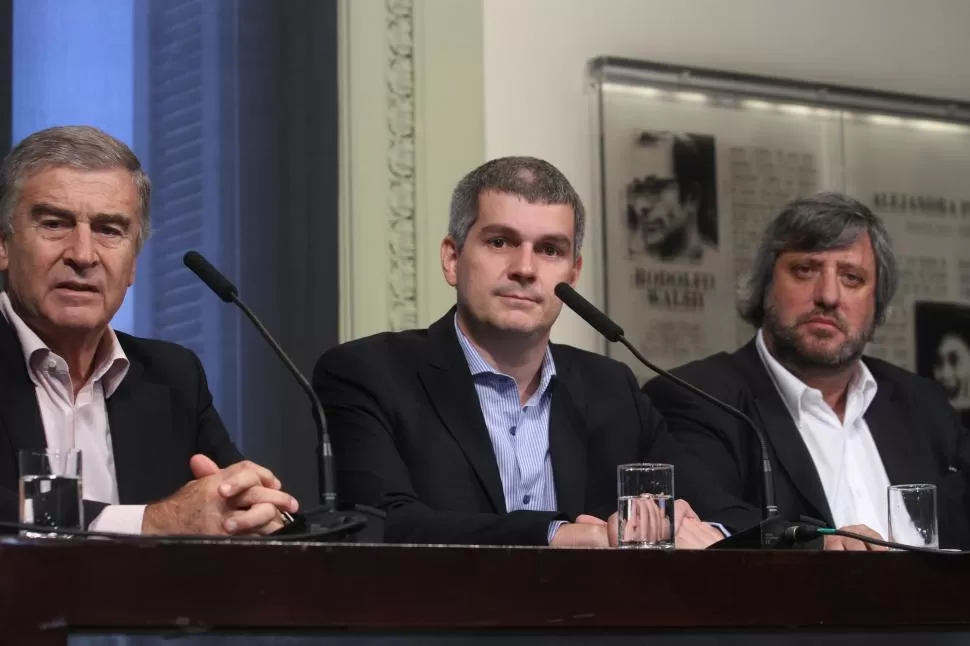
[[779, 427], [451, 390], [889, 425], [139, 416], [19, 412], [567, 438]]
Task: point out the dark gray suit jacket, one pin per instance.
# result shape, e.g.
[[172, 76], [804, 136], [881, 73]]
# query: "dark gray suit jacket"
[[410, 438], [159, 416], [918, 434]]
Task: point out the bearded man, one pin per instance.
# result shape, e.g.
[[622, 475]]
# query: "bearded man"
[[841, 427]]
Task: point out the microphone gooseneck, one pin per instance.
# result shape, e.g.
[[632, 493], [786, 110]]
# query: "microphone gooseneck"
[[614, 333], [225, 290]]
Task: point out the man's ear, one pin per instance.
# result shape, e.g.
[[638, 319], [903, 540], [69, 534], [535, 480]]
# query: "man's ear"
[[449, 260], [4, 260], [577, 269]]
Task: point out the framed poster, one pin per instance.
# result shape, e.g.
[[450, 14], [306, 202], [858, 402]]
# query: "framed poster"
[[694, 163]]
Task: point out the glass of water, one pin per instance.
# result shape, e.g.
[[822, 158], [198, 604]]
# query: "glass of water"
[[912, 515], [50, 490], [645, 506]]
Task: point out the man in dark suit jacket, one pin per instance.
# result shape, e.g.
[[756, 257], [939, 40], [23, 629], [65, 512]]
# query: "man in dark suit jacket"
[[478, 430], [840, 427], [160, 416], [73, 216]]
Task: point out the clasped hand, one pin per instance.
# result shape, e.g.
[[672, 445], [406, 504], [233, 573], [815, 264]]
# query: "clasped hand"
[[242, 499], [646, 522]]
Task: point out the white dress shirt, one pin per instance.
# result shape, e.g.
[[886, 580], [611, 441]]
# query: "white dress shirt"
[[80, 422], [844, 453]]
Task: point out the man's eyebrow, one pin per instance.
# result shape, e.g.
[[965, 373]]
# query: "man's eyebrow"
[[499, 228], [112, 218], [557, 238], [843, 265], [43, 208]]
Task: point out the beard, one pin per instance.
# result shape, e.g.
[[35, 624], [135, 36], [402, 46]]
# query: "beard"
[[794, 349]]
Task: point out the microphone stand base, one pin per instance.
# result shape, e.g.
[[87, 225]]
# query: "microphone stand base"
[[766, 535], [355, 524]]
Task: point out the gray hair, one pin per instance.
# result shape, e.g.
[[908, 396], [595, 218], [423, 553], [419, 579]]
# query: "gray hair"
[[534, 180], [817, 223], [80, 147]]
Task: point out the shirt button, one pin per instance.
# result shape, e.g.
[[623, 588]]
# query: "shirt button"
[[526, 498], [512, 431]]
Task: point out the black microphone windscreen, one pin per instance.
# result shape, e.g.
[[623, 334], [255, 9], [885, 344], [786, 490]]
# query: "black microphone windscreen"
[[589, 312], [210, 276]]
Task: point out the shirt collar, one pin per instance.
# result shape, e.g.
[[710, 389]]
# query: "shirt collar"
[[479, 366], [794, 392], [111, 361]]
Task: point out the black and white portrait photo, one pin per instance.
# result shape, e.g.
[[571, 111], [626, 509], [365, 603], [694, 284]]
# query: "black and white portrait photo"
[[943, 350], [671, 201]]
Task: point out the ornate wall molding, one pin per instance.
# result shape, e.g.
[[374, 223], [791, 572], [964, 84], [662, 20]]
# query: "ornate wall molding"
[[402, 241], [411, 124]]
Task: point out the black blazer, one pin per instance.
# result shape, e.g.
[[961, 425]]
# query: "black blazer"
[[159, 416], [409, 437], [917, 432]]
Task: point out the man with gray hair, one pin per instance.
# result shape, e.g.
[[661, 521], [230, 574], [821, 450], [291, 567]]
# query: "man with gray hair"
[[479, 430], [840, 427], [74, 213]]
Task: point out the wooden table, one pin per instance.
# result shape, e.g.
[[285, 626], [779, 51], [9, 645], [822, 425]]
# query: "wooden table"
[[48, 588]]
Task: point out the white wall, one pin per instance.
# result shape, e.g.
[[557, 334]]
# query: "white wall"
[[537, 100]]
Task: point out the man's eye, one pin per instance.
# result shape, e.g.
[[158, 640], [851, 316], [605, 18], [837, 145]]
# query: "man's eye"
[[801, 271], [551, 250], [498, 243], [53, 224], [113, 232]]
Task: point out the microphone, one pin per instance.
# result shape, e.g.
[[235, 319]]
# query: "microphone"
[[772, 525], [801, 533], [328, 522]]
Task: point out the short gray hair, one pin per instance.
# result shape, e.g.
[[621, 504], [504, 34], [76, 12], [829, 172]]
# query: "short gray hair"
[[817, 223], [80, 147], [534, 180]]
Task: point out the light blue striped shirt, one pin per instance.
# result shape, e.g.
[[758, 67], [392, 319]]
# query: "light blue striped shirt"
[[519, 434]]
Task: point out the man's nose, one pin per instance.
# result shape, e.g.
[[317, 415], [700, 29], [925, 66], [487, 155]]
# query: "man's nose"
[[522, 264], [828, 290], [80, 251]]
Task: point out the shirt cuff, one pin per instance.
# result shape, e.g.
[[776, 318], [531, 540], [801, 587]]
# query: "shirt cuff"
[[721, 528], [119, 519], [553, 528]]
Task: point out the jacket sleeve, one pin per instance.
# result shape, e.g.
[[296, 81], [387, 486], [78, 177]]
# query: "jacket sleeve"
[[716, 464]]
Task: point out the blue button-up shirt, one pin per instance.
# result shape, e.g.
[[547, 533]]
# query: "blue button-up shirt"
[[519, 433]]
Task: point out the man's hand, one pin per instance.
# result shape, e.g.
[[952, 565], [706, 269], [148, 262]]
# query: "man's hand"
[[587, 531], [839, 543], [645, 523], [692, 533], [244, 498]]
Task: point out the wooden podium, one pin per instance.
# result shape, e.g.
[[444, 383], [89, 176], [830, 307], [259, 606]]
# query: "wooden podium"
[[51, 588]]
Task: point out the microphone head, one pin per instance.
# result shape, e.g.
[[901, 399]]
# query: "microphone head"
[[211, 276], [588, 312]]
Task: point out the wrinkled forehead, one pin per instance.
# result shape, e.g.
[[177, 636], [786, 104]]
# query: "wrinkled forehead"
[[515, 213], [68, 187], [852, 246]]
